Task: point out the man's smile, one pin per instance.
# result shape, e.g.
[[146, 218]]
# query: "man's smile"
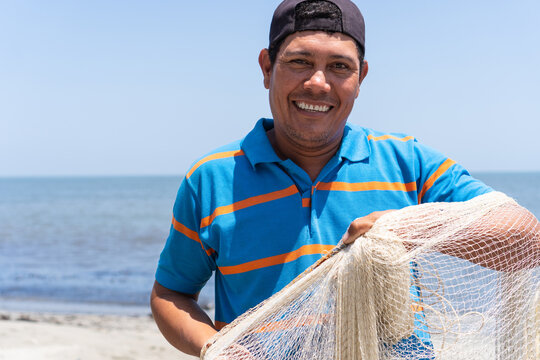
[[311, 107]]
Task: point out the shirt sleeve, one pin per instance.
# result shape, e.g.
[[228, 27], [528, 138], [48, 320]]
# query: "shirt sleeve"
[[441, 179], [186, 263]]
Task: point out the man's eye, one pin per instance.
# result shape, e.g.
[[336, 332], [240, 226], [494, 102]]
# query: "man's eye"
[[341, 66], [299, 62]]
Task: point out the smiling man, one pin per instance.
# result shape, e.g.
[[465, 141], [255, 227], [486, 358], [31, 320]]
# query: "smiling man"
[[259, 211], [313, 84]]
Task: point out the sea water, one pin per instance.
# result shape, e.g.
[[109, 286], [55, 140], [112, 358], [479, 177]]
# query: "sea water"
[[81, 244], [91, 244]]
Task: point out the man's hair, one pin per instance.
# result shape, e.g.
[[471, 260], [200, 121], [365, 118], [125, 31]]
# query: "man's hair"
[[308, 10]]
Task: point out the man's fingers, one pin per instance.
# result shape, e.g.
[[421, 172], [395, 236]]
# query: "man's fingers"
[[362, 225], [356, 229]]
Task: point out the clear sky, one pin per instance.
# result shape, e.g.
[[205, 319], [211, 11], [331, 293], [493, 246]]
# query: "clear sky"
[[125, 87]]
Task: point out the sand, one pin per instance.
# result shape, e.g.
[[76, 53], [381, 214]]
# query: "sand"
[[82, 337]]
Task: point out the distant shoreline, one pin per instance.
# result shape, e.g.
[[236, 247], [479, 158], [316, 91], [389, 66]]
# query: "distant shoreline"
[[180, 176], [62, 308]]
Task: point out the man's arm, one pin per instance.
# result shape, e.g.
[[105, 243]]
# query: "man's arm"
[[505, 241], [361, 225], [180, 319], [508, 240]]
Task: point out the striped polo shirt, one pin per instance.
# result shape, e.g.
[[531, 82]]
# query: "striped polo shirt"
[[259, 221]]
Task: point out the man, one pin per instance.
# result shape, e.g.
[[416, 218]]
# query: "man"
[[261, 210]]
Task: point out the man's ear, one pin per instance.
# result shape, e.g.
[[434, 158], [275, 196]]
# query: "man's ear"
[[363, 74], [266, 66]]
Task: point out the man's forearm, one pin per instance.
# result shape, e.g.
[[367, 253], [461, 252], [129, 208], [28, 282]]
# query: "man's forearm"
[[506, 241], [180, 319]]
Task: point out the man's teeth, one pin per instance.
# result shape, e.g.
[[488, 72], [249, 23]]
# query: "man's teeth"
[[320, 108]]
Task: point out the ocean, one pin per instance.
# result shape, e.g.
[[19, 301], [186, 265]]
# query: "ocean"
[[91, 244]]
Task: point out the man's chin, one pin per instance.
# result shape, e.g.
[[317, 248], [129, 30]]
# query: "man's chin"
[[313, 141]]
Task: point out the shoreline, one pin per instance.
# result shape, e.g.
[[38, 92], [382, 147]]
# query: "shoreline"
[[37, 306], [51, 306], [55, 336]]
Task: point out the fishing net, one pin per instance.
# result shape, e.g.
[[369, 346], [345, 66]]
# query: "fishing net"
[[432, 281]]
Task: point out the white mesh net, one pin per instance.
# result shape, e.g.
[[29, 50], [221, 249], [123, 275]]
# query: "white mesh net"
[[433, 281]]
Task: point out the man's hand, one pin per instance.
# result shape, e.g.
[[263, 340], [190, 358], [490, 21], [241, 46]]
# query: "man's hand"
[[361, 226]]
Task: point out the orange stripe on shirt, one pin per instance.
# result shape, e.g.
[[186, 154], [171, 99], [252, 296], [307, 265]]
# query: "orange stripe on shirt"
[[292, 323], [386, 137], [252, 201], [437, 174], [190, 234], [306, 202], [276, 260], [367, 186], [221, 155], [308, 320]]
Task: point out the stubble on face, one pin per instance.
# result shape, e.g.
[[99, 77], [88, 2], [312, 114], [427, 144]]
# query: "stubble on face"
[[308, 140]]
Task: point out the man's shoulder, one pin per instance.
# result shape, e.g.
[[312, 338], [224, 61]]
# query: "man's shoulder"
[[221, 157], [382, 142], [376, 135], [252, 149], [402, 145]]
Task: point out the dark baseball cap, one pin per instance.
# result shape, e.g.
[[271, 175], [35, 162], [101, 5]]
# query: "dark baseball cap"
[[286, 21]]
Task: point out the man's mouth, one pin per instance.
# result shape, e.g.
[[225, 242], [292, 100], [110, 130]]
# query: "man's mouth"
[[311, 107]]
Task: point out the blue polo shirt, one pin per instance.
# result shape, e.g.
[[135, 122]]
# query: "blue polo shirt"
[[259, 221]]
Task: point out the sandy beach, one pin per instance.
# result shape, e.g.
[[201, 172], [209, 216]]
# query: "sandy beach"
[[82, 337]]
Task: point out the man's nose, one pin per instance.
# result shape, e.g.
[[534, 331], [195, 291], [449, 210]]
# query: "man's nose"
[[317, 82]]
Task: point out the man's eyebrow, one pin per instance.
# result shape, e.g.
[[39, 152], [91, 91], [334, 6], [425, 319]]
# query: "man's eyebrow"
[[341, 57], [297, 53], [291, 53]]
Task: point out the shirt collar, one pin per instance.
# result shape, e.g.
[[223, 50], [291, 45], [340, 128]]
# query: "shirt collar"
[[256, 145], [354, 145]]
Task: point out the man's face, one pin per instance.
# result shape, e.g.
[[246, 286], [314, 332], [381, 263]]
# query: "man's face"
[[313, 84]]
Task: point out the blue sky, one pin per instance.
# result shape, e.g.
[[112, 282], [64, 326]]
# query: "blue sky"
[[147, 87]]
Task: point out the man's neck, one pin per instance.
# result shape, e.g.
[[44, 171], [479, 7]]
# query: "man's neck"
[[311, 161]]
